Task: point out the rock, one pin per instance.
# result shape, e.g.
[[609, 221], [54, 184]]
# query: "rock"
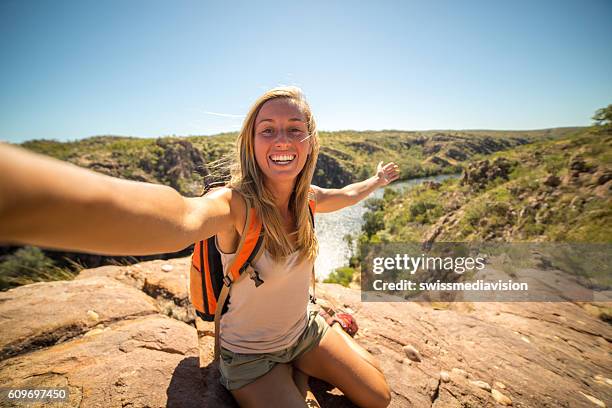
[[500, 398], [433, 185], [117, 367], [374, 350], [166, 267], [93, 315], [170, 289], [552, 181], [459, 372], [412, 353], [444, 376], [93, 332], [58, 311], [602, 177], [478, 174], [481, 384], [602, 380], [114, 361], [499, 385], [594, 400], [578, 165]]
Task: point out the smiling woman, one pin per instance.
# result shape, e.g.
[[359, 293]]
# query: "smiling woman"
[[269, 339]]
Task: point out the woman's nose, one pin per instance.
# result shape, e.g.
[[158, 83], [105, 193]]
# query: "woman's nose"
[[282, 137]]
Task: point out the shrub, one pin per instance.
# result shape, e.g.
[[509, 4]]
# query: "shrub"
[[29, 265], [343, 276]]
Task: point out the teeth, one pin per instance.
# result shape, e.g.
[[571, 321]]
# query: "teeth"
[[282, 157]]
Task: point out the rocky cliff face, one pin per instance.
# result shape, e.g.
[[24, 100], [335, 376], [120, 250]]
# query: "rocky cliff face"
[[124, 337]]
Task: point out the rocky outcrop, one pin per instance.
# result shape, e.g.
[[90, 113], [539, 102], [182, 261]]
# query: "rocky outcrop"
[[117, 347], [178, 161], [480, 173], [331, 172]]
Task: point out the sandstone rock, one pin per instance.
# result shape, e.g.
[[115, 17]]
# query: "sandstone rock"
[[166, 267], [499, 385], [594, 400], [93, 315], [602, 380], [150, 361], [459, 372], [481, 384], [479, 174], [412, 353], [444, 376], [46, 313], [170, 289], [500, 398]]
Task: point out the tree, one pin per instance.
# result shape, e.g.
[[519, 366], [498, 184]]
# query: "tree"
[[603, 116]]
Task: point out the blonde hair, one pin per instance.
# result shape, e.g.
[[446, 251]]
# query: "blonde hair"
[[248, 179]]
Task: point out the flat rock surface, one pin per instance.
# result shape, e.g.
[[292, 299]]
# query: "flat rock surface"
[[147, 362], [125, 351], [43, 314], [169, 287]]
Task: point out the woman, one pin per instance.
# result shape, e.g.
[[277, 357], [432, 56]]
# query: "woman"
[[263, 361]]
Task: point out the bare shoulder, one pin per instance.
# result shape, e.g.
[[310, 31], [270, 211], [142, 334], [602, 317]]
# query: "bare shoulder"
[[232, 202], [229, 235], [238, 209]]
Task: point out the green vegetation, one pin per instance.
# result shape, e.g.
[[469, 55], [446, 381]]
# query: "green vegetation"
[[343, 276], [29, 265], [554, 191], [603, 116]]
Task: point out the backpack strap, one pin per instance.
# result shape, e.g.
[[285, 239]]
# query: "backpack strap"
[[248, 251]]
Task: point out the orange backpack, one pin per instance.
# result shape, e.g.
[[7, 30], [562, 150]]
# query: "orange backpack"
[[209, 287]]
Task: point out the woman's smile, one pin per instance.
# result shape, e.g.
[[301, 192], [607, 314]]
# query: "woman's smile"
[[281, 140]]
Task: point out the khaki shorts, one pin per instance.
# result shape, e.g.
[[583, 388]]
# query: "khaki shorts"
[[238, 369]]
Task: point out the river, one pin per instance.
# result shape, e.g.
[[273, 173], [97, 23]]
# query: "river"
[[332, 227]]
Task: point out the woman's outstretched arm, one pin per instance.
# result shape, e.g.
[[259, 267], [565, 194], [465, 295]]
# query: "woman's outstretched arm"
[[333, 199], [53, 204]]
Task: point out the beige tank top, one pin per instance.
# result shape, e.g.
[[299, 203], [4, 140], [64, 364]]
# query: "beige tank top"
[[272, 316]]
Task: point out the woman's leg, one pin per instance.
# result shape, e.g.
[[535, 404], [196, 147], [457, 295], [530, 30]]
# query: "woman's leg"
[[274, 389], [340, 361], [301, 381]]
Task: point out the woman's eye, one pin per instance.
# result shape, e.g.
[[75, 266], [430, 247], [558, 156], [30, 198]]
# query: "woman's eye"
[[296, 130], [266, 131]]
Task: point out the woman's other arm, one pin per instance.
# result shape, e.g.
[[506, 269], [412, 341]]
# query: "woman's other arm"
[[54, 204], [333, 199]]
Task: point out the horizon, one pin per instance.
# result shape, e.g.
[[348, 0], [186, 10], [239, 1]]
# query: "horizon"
[[73, 69], [320, 131]]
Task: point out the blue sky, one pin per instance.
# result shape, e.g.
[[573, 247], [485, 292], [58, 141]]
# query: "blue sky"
[[73, 69]]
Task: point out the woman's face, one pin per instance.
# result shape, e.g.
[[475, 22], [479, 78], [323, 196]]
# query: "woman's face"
[[281, 140]]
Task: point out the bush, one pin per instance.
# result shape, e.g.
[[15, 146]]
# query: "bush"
[[28, 265], [343, 276]]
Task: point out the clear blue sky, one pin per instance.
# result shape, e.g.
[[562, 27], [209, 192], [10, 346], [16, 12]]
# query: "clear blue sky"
[[73, 69]]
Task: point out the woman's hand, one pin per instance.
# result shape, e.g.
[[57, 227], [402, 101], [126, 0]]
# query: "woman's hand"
[[334, 199], [387, 173]]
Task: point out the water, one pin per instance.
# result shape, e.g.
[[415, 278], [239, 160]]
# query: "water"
[[332, 227]]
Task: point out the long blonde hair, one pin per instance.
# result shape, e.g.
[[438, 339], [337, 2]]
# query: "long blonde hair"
[[248, 179]]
